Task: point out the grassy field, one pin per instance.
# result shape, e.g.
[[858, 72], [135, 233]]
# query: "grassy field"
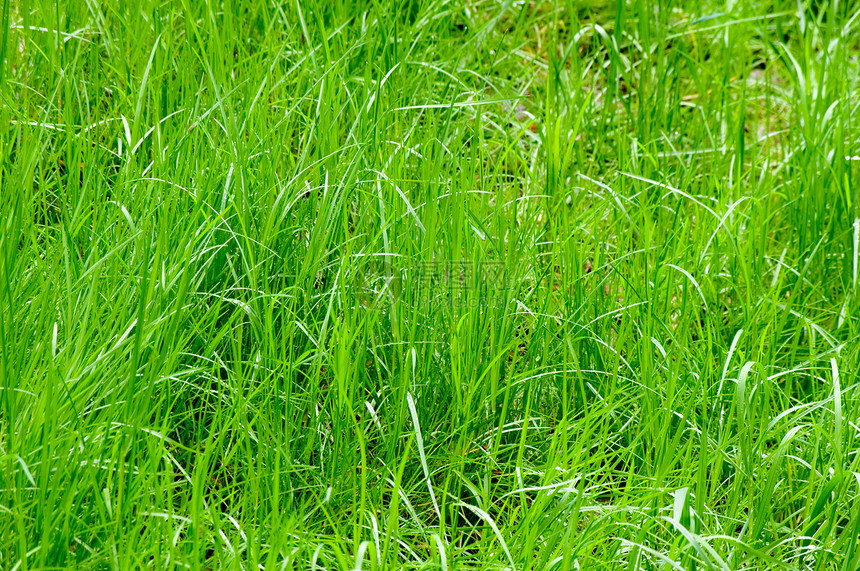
[[429, 284]]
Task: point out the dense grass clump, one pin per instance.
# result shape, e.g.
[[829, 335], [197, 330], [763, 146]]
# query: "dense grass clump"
[[429, 284]]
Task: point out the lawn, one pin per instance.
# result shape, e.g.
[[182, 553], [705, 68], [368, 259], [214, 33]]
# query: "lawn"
[[429, 284]]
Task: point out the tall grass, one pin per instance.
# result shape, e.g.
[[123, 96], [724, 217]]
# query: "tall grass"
[[429, 284]]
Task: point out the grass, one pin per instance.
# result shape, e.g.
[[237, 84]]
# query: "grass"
[[426, 284]]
